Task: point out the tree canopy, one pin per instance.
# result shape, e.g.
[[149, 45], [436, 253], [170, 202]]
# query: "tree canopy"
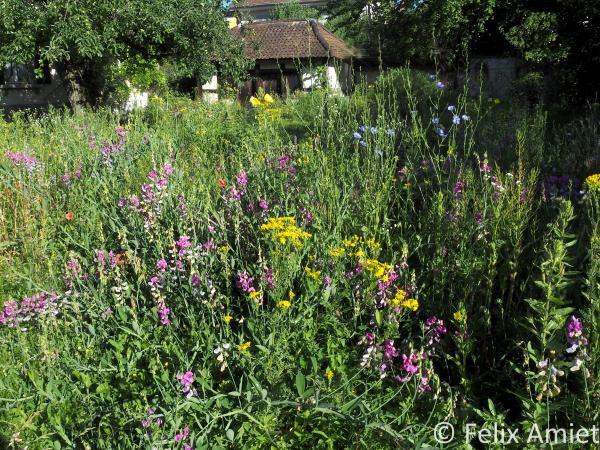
[[84, 37], [294, 10], [560, 34]]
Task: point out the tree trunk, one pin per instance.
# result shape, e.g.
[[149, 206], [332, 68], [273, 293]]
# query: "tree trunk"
[[83, 83]]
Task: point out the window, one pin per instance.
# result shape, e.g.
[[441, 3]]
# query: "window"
[[20, 75]]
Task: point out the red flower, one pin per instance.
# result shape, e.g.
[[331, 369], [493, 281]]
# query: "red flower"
[[222, 183], [69, 215]]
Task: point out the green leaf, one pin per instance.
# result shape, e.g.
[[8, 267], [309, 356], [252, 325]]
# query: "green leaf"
[[300, 383]]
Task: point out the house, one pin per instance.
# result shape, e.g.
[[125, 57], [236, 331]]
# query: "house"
[[263, 9], [294, 55], [22, 87]]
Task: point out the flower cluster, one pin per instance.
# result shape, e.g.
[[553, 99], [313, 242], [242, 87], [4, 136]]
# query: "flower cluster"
[[187, 380], [434, 331], [592, 183], [110, 150], [23, 160], [284, 230], [15, 314], [152, 198]]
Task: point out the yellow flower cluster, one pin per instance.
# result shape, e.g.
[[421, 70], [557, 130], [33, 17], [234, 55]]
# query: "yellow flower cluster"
[[284, 230], [378, 269], [355, 246], [284, 304], [593, 182], [401, 300], [261, 101]]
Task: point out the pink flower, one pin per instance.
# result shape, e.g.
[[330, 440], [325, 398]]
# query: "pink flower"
[[262, 204], [161, 265], [183, 435]]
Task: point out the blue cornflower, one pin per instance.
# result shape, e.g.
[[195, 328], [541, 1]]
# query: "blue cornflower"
[[390, 132], [363, 143], [432, 76], [435, 120], [451, 108], [456, 120], [357, 136], [466, 118], [440, 132], [440, 85], [373, 130], [362, 128]]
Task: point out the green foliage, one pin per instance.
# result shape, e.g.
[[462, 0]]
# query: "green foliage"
[[469, 223], [83, 38], [294, 10]]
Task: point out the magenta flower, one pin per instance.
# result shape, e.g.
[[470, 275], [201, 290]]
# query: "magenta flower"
[[242, 178], [162, 265], [183, 435], [262, 204], [163, 314]]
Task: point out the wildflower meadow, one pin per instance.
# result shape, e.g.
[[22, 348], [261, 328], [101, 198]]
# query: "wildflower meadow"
[[315, 272]]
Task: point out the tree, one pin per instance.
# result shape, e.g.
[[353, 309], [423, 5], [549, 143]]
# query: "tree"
[[294, 10], [561, 37], [83, 38]]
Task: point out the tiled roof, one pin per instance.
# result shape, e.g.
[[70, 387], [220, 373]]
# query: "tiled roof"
[[290, 39], [251, 3]]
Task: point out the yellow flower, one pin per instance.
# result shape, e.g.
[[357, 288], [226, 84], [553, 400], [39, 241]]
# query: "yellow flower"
[[458, 315], [376, 268], [291, 295], [224, 249], [410, 303], [245, 346], [329, 374], [314, 274], [593, 182], [284, 304], [336, 252], [227, 319], [255, 295], [398, 298], [285, 230]]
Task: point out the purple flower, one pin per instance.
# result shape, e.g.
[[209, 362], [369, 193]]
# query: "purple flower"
[[183, 435], [459, 188], [440, 85], [362, 143], [163, 314], [162, 265], [440, 132], [183, 243], [242, 178], [244, 282], [434, 331], [327, 280], [268, 278], [262, 204], [23, 160], [486, 168], [357, 136], [195, 280]]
